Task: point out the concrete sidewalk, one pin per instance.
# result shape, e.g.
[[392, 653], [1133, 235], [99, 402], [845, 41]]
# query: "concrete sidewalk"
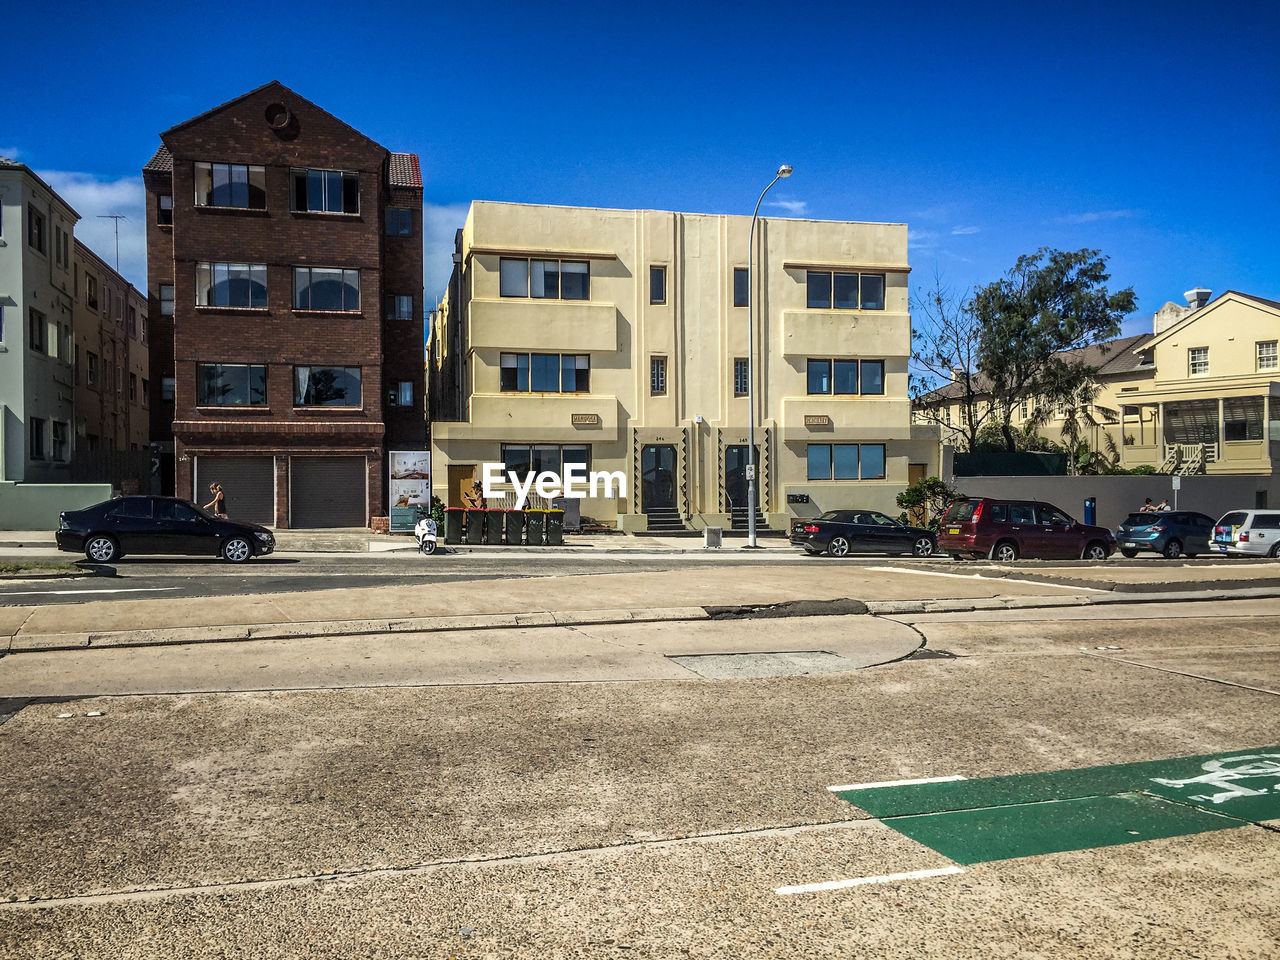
[[532, 602]]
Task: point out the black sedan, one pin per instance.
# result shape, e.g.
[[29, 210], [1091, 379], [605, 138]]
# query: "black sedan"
[[840, 532], [108, 531]]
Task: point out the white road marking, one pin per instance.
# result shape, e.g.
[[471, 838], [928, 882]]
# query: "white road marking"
[[978, 576], [895, 783], [45, 593], [859, 881]]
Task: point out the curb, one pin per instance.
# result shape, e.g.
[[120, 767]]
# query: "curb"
[[173, 636]]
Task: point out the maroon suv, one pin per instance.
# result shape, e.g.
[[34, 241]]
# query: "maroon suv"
[[1009, 529]]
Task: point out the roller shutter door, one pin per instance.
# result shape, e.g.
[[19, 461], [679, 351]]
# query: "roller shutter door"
[[327, 492], [248, 483]]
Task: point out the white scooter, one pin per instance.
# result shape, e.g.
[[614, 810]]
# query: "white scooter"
[[425, 532]]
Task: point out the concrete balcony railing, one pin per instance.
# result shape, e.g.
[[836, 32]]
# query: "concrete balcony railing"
[[559, 326], [848, 333]]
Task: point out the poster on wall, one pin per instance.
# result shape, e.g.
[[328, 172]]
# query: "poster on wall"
[[410, 473]]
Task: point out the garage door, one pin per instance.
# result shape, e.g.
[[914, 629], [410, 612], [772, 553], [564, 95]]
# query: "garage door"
[[327, 492], [248, 483]]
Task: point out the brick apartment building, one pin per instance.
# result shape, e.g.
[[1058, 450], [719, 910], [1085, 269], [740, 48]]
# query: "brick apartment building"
[[284, 264]]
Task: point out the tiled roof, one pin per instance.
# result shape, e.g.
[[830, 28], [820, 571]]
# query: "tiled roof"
[[1108, 357], [161, 161], [405, 171], [11, 164], [1249, 296]]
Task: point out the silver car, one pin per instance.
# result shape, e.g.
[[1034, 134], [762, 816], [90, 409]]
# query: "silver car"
[[1248, 533]]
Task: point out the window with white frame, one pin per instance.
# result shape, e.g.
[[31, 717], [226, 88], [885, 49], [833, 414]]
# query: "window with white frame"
[[231, 285], [35, 425], [91, 374], [741, 282], [525, 458], [399, 222], [325, 191], [229, 384], [1198, 361], [544, 373], [35, 229], [829, 290], [326, 288], [37, 330], [91, 290], [399, 308], [326, 386], [400, 394], [657, 376], [164, 210], [61, 441], [845, 461], [544, 279], [231, 185], [1267, 357], [657, 284]]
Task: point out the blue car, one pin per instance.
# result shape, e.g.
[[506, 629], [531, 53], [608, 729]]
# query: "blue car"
[[1171, 533]]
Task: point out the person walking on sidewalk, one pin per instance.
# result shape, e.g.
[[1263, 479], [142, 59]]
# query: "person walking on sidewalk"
[[219, 502]]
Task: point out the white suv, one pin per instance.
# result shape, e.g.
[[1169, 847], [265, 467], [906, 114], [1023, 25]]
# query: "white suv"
[[1248, 533]]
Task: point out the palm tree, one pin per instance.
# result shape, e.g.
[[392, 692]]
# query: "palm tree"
[[1078, 423]]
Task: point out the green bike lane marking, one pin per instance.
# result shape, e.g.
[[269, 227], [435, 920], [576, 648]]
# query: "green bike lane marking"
[[1000, 818]]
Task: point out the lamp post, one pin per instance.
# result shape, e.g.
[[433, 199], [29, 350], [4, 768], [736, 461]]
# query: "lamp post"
[[784, 171]]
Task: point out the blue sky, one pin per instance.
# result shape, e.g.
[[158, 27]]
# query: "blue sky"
[[1148, 130]]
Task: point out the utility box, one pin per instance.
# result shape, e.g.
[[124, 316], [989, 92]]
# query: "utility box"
[[713, 537]]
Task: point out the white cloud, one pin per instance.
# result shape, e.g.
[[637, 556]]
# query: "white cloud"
[[922, 239], [793, 207], [1093, 216], [92, 199], [439, 225], [964, 231]]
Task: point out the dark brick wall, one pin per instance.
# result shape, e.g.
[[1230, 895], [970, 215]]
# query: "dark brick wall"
[[278, 336]]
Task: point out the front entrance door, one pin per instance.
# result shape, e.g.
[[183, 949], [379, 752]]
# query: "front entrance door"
[[657, 477], [915, 473], [735, 476]]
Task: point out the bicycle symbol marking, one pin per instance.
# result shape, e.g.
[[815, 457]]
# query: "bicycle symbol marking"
[[1226, 778]]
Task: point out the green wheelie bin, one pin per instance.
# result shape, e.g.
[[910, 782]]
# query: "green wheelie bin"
[[555, 528], [534, 527], [452, 524], [494, 517], [514, 527], [475, 525]]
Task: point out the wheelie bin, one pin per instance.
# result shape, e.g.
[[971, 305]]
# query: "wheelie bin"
[[452, 524], [494, 517], [555, 528], [514, 527], [475, 525], [534, 525]]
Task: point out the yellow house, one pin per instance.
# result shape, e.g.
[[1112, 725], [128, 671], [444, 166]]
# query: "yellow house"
[[1122, 369], [617, 340], [1213, 405]]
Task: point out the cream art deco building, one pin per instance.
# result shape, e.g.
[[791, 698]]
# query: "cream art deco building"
[[617, 339]]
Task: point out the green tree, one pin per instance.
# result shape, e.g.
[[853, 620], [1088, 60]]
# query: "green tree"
[[944, 351], [1051, 301], [929, 496]]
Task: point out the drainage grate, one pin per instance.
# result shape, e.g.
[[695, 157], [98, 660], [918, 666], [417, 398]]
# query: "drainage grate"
[[726, 666]]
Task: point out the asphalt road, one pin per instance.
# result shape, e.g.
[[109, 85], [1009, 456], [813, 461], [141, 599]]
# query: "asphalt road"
[[434, 813], [287, 573]]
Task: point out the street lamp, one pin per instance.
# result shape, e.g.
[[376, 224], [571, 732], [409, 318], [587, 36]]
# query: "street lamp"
[[784, 171]]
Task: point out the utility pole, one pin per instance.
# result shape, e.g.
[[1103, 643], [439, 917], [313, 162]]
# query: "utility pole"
[[117, 217]]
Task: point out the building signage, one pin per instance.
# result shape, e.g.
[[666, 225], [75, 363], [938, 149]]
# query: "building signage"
[[585, 419], [817, 420], [410, 479]]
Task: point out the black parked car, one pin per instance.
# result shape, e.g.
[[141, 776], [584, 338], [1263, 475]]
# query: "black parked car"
[[840, 532], [108, 531]]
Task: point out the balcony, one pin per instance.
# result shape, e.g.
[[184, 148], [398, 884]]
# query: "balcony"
[[823, 418], [537, 417], [848, 333], [569, 326]]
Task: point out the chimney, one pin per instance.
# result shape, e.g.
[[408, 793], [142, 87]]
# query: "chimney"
[[1198, 297], [957, 374]]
